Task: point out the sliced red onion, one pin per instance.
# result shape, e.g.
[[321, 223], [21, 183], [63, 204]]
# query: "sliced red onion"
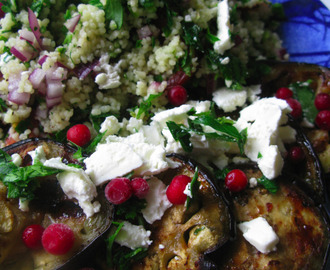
[[24, 56], [71, 23], [144, 32], [178, 78], [18, 98], [42, 60], [82, 71], [13, 95], [59, 64], [56, 74], [42, 89], [51, 102], [54, 89], [37, 77], [27, 35], [34, 25]]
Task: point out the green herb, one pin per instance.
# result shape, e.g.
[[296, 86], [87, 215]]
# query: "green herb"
[[110, 240], [61, 50], [158, 78], [138, 43], [305, 95], [67, 15], [211, 38], [223, 125], [125, 257], [194, 186], [131, 209], [68, 38], [114, 11], [96, 3], [180, 134], [3, 105], [147, 3], [144, 108], [198, 230], [170, 14], [21, 182], [192, 35], [9, 6], [270, 185], [221, 174], [38, 5], [23, 125], [97, 120], [259, 155]]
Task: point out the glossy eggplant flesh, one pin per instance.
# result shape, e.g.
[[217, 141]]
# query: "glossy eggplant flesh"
[[300, 225], [50, 205], [187, 234]]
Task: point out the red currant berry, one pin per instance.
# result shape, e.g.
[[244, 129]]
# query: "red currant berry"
[[174, 191], [118, 190], [322, 101], [32, 236], [236, 180], [322, 120], [57, 239], [140, 187], [296, 108], [284, 93], [296, 154], [79, 134], [177, 95]]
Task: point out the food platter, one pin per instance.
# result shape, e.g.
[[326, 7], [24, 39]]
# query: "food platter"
[[147, 152]]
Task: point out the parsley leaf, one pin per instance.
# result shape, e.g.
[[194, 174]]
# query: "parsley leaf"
[[147, 3], [114, 11], [180, 133], [9, 6], [194, 185], [3, 105], [144, 109], [305, 95], [130, 209], [170, 14], [22, 181], [110, 240], [38, 5], [270, 185], [96, 3]]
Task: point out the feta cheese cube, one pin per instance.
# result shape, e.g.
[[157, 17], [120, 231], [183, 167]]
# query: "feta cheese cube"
[[157, 202], [133, 236], [259, 234], [228, 99]]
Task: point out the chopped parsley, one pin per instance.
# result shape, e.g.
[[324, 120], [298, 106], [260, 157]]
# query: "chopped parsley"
[[226, 130], [114, 11], [145, 106], [38, 5], [303, 92], [21, 182], [198, 230], [194, 185], [131, 209], [270, 185]]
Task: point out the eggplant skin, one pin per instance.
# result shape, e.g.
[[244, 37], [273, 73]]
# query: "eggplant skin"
[[188, 234], [50, 205], [299, 224]]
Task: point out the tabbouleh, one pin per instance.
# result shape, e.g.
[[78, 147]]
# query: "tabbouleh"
[[116, 54]]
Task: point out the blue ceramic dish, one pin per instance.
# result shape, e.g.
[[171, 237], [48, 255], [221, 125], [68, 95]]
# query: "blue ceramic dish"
[[306, 31]]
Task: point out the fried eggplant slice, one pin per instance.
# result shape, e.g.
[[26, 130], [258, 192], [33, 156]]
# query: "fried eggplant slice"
[[188, 234], [50, 205], [299, 224]]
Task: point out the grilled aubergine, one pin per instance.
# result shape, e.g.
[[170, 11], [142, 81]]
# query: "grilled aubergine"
[[50, 205]]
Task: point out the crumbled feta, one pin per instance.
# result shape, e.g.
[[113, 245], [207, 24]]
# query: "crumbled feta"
[[134, 125], [16, 159], [111, 160], [259, 234], [110, 125], [253, 182], [161, 246], [187, 190], [38, 154], [224, 27], [263, 119], [253, 92], [23, 204], [133, 236], [228, 99], [157, 202], [108, 76], [75, 183]]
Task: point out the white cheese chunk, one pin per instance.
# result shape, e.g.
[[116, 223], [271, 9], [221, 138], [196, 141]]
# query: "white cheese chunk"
[[224, 27], [38, 154], [259, 234], [110, 161], [228, 99], [16, 159], [157, 202], [133, 236], [110, 125], [263, 119], [76, 184], [108, 75]]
